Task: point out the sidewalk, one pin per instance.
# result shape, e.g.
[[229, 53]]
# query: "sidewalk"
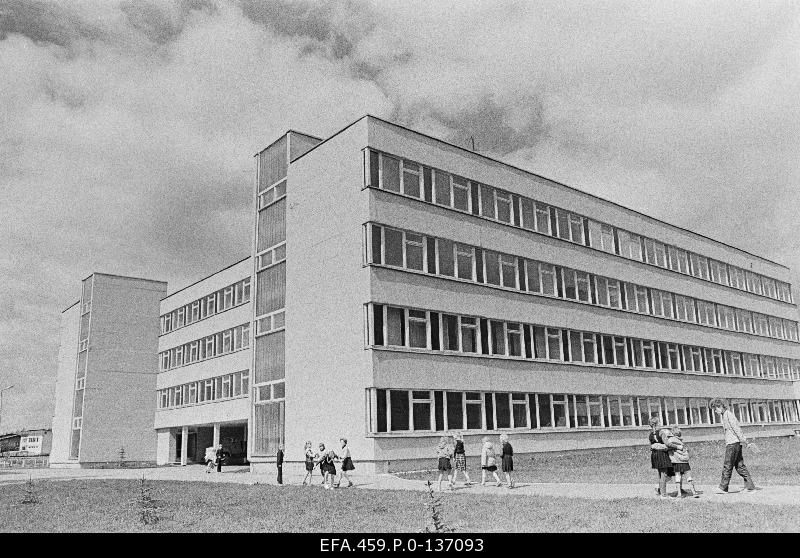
[[773, 495]]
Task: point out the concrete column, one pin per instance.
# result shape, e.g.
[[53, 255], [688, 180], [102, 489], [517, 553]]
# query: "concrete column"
[[184, 444], [216, 434]]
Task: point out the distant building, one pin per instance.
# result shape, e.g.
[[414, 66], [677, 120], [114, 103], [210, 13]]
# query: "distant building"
[[108, 362], [26, 442]]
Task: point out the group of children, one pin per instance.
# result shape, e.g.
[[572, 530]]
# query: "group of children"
[[326, 460], [670, 457], [453, 455]]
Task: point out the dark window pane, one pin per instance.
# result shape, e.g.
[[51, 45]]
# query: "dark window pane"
[[438, 411], [391, 174], [455, 417], [503, 410], [381, 410], [487, 398], [399, 409], [376, 244], [393, 241]]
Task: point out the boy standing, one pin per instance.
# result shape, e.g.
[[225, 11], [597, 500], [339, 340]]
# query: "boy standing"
[[734, 438]]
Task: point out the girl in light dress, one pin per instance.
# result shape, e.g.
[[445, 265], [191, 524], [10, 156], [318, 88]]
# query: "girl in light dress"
[[488, 462]]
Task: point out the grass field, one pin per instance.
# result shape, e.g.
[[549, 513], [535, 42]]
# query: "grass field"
[[110, 506], [777, 463]]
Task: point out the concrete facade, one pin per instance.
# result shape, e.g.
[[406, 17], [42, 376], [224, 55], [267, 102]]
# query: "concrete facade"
[[105, 402], [186, 426], [332, 369]]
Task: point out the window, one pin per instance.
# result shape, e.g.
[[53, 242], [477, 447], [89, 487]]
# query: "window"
[[608, 292], [601, 236], [461, 194], [629, 245], [706, 313], [699, 265], [761, 324], [670, 357], [393, 247], [576, 228], [487, 201], [655, 252], [418, 329], [719, 272], [414, 251], [465, 262], [411, 179], [503, 202], [754, 283], [469, 335], [422, 406], [514, 339], [791, 330], [678, 260], [737, 278], [399, 410], [519, 410], [637, 298], [474, 410], [446, 257], [576, 285], [727, 317], [744, 320], [776, 328], [692, 358], [733, 363]]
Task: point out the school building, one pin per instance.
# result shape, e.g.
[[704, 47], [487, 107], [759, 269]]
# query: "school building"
[[400, 287]]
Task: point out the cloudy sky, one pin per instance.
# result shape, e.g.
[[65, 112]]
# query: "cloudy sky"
[[127, 128]]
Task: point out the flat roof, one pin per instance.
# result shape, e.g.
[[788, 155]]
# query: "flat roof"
[[499, 162], [289, 131], [124, 277], [206, 277]]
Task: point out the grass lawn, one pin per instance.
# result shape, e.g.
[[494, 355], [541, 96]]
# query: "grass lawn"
[[778, 463], [110, 506]]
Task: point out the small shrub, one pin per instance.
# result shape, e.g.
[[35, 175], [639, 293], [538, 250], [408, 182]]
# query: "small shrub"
[[434, 523], [121, 454], [148, 506], [30, 493]]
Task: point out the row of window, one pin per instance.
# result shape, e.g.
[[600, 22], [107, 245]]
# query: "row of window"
[[441, 188], [394, 326], [217, 344], [207, 306], [395, 410], [205, 391], [438, 256]]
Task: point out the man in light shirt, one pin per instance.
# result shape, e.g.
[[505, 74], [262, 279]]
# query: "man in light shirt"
[[734, 438]]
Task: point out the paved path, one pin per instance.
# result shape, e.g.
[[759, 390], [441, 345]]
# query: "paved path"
[[240, 475]]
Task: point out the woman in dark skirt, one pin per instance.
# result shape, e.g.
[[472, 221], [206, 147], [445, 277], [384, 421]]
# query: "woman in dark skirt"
[[659, 457], [443, 452], [507, 461]]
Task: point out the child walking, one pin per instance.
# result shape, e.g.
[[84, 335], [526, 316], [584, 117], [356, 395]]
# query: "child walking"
[[679, 456], [326, 466], [311, 458], [460, 458], [507, 459], [347, 464], [488, 462], [443, 452]]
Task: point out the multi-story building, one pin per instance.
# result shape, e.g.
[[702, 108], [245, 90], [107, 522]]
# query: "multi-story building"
[[106, 377], [403, 287], [406, 287], [203, 396]]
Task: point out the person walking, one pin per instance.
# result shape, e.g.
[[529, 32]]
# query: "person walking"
[[460, 459], [488, 462], [443, 452], [659, 457], [220, 457], [507, 459], [311, 457], [279, 463], [734, 438], [347, 464]]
